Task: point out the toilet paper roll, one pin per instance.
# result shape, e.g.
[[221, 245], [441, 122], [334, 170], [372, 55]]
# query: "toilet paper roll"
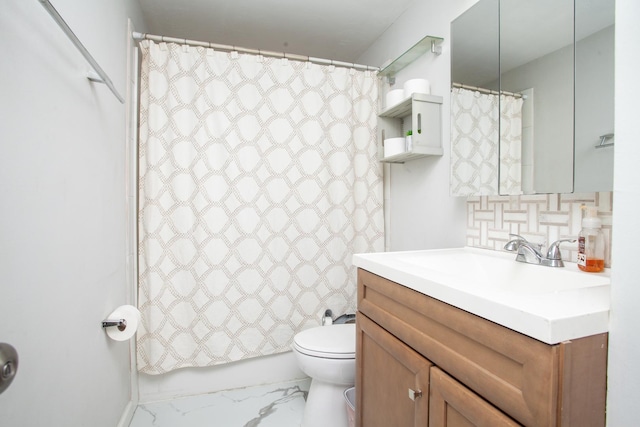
[[393, 146], [132, 317], [416, 86], [394, 97]]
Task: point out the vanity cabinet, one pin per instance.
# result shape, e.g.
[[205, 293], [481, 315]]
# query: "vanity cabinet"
[[451, 404], [425, 115], [463, 370], [401, 402]]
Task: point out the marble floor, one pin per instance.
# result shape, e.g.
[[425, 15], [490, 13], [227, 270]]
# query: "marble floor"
[[274, 405]]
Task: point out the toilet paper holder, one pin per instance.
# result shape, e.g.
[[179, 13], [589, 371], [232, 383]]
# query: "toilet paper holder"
[[120, 323]]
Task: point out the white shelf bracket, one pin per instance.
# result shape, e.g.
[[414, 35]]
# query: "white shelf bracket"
[[94, 77], [436, 48]]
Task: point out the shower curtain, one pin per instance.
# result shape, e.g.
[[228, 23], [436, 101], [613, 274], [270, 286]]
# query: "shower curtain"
[[510, 145], [479, 164], [258, 181]]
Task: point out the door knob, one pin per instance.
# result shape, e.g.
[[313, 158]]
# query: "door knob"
[[414, 394], [8, 365]]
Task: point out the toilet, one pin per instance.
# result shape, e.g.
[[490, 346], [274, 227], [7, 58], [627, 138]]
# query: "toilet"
[[327, 354]]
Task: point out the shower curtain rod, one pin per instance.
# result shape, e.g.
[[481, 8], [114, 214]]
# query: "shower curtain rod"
[[98, 74], [489, 91], [142, 36]]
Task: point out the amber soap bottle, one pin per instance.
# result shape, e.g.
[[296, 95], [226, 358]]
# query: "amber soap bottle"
[[591, 242]]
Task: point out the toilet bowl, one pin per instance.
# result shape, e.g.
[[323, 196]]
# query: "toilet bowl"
[[327, 354]]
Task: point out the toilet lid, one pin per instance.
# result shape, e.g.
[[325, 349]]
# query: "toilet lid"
[[331, 342]]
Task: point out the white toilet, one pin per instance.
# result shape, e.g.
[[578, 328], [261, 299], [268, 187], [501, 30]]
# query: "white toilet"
[[327, 354]]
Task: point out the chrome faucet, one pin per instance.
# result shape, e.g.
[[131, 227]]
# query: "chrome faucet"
[[531, 253]]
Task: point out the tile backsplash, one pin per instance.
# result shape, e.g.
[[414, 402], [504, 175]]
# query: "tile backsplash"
[[538, 218]]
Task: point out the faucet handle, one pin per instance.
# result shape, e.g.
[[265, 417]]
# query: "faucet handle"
[[514, 236], [514, 242], [554, 249]]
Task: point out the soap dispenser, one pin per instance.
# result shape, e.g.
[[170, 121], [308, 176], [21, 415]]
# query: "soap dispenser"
[[591, 242]]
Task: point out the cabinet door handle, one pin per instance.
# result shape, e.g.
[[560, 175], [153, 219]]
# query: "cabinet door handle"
[[414, 394]]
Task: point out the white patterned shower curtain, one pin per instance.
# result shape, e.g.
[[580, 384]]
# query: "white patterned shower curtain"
[[510, 145], [477, 119], [258, 181]]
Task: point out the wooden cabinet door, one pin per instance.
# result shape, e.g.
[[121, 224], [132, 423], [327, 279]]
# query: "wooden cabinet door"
[[451, 404], [392, 380]]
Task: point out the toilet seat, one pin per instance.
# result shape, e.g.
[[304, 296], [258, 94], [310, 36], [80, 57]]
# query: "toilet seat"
[[329, 342]]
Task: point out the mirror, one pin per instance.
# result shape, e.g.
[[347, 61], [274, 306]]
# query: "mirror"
[[475, 63], [594, 97], [513, 120]]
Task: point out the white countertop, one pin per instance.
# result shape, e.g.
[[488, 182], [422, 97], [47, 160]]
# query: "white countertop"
[[546, 303]]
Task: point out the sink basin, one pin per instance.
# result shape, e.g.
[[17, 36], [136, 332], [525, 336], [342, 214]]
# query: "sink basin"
[[552, 304], [491, 270]]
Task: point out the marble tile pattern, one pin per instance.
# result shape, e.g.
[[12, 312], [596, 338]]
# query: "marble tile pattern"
[[539, 218], [274, 405]]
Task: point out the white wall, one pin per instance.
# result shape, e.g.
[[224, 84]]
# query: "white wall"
[[63, 221], [421, 213], [624, 337]]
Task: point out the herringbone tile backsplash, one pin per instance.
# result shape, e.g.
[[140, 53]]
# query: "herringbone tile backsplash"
[[539, 218]]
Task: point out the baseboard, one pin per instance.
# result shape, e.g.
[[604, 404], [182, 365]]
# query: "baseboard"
[[127, 414]]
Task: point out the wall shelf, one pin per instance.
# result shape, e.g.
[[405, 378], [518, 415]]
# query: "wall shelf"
[[416, 153], [428, 43], [425, 115]]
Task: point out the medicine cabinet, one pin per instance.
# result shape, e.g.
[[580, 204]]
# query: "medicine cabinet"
[[557, 56]]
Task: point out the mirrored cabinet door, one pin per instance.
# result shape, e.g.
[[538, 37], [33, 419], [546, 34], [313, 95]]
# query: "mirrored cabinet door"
[[475, 77], [594, 96], [536, 64], [538, 81]]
